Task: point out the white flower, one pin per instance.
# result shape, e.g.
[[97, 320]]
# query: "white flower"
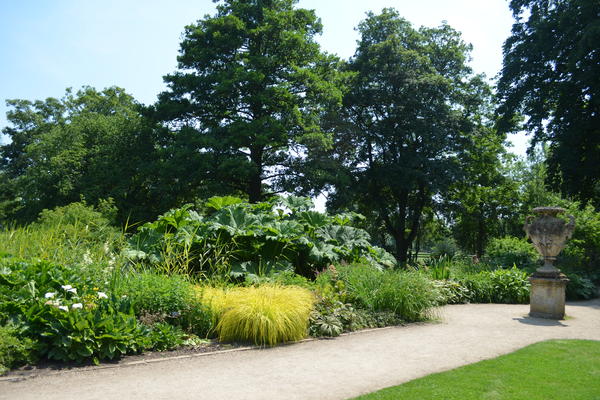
[[67, 287], [102, 295], [77, 305], [49, 295], [54, 303], [72, 290], [64, 308]]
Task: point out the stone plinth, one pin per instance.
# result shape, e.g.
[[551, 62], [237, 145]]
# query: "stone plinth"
[[548, 296]]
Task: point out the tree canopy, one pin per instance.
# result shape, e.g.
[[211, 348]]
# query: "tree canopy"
[[88, 144], [551, 75], [250, 84], [413, 109]]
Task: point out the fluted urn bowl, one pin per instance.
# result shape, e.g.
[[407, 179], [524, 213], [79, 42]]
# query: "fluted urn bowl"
[[549, 235]]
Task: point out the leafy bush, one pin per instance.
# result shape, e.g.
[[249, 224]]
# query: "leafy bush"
[[510, 286], [452, 292], [264, 315], [164, 336], [409, 295], [70, 331], [508, 251], [499, 286], [333, 315], [579, 287], [166, 298], [582, 252], [240, 239], [66, 314], [14, 351]]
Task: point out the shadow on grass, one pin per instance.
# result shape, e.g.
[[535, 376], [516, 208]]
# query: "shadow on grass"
[[539, 321]]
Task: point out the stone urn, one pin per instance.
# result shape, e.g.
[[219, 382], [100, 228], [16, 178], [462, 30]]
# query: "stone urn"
[[549, 235]]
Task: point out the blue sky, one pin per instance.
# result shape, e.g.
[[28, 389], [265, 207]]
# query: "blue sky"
[[49, 45]]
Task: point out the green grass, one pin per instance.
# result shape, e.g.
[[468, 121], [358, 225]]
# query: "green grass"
[[557, 369]]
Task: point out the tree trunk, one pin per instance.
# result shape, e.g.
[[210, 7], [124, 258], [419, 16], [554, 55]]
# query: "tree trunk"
[[481, 236], [255, 180]]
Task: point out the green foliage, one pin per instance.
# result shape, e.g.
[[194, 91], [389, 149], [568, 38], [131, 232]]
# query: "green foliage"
[[440, 268], [94, 144], [444, 248], [498, 286], [508, 251], [409, 295], [509, 286], [67, 311], [582, 252], [552, 52], [164, 336], [251, 83], [242, 239], [73, 234], [171, 298], [580, 288], [413, 109], [452, 292], [265, 315], [14, 350], [333, 314]]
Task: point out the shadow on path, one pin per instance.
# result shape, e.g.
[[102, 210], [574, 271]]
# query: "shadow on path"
[[539, 321]]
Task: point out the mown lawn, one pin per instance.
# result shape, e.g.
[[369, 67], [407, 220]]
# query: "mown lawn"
[[552, 370]]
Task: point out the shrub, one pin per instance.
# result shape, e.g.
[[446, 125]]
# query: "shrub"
[[166, 298], [582, 252], [409, 295], [164, 336], [508, 251], [510, 286], [66, 314], [265, 315], [579, 287], [332, 315], [14, 351], [70, 331], [452, 292], [479, 287], [498, 286]]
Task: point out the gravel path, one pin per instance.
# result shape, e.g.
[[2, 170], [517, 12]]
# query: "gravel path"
[[322, 369]]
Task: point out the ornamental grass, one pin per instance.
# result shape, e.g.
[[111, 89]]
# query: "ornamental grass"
[[263, 315]]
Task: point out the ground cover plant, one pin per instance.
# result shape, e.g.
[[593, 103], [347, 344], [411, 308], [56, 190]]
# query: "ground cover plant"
[[553, 371]]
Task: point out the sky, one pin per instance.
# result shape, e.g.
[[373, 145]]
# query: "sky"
[[49, 45]]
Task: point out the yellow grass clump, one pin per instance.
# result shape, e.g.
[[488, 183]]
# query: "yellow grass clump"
[[264, 315]]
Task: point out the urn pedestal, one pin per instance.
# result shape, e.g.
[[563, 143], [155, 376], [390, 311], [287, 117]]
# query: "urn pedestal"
[[547, 298], [549, 235]]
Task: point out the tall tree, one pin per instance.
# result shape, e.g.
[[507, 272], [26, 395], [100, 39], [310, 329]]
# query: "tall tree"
[[408, 118], [249, 88], [551, 75], [89, 143]]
